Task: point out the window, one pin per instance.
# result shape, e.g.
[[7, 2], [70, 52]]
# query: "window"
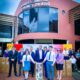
[[26, 18], [19, 30], [40, 19], [53, 20], [33, 19], [5, 31], [77, 27], [43, 22]]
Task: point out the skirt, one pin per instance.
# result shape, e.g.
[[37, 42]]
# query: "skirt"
[[26, 66], [59, 66]]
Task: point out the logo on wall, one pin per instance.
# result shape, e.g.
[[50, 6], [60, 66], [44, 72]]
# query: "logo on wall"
[[35, 3]]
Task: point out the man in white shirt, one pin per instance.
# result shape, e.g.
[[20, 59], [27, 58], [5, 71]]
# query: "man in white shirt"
[[73, 61], [50, 58]]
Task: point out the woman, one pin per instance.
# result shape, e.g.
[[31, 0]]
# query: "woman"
[[26, 63], [59, 63], [6, 53]]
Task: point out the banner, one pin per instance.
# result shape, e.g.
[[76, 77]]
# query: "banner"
[[67, 46], [9, 46], [35, 46], [58, 46], [18, 46], [39, 71]]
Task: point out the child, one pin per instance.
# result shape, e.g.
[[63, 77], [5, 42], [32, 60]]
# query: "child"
[[73, 61], [26, 63]]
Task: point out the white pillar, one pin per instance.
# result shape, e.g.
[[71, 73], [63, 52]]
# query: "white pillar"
[[16, 42], [68, 42]]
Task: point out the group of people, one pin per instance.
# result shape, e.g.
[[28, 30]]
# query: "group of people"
[[48, 56], [74, 57], [75, 60]]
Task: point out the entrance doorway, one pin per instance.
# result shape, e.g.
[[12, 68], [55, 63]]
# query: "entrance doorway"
[[77, 45]]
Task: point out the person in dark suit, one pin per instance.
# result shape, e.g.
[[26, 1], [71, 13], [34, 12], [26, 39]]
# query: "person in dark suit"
[[12, 61], [32, 64], [45, 53], [39, 54], [19, 58]]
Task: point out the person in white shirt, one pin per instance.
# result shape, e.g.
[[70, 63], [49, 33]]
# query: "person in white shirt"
[[50, 58], [73, 61], [26, 63], [66, 54]]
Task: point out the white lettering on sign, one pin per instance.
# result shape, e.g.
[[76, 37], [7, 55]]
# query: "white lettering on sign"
[[35, 3], [32, 1]]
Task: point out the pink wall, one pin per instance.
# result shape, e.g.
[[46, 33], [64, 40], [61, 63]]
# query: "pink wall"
[[66, 29]]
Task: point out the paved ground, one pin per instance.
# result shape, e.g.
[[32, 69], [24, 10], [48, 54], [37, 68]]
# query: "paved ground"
[[4, 77], [76, 75]]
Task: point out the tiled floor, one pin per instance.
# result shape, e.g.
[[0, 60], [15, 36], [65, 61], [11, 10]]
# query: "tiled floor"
[[4, 77]]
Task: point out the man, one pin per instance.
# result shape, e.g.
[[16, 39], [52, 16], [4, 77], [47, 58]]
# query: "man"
[[32, 64], [71, 52], [19, 58], [78, 60], [12, 61], [45, 53], [0, 52], [39, 54], [51, 58]]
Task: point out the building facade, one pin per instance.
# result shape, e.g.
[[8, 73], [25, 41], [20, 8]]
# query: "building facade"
[[7, 29], [47, 21]]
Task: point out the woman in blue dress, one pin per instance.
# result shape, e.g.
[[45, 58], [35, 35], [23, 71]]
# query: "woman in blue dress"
[[26, 63]]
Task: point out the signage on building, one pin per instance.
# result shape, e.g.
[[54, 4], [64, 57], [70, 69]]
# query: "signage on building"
[[35, 3]]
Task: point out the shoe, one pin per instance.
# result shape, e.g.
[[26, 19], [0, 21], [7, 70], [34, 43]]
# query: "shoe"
[[32, 75], [57, 77], [25, 79], [19, 75], [60, 78], [16, 75]]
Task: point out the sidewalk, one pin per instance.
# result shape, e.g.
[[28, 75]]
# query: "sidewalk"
[[4, 77], [76, 75]]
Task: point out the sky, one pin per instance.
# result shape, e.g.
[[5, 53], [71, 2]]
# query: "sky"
[[8, 6], [77, 1]]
